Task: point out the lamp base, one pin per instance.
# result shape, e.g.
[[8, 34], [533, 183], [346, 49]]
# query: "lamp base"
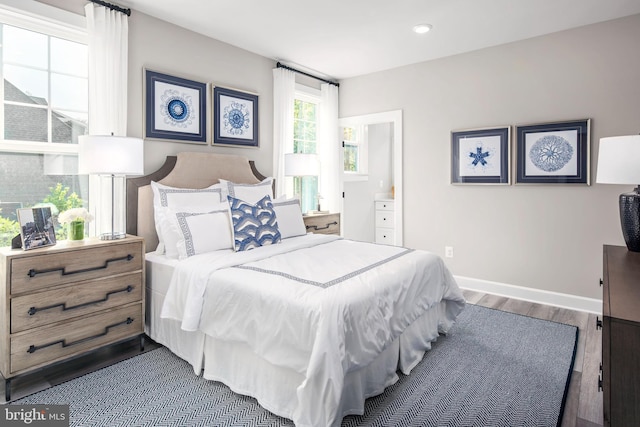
[[630, 219], [113, 236]]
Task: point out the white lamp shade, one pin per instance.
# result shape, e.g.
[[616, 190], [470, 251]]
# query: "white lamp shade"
[[110, 155], [619, 160], [298, 164]]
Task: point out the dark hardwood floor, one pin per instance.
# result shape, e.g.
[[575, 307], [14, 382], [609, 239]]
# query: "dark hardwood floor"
[[584, 402], [25, 385]]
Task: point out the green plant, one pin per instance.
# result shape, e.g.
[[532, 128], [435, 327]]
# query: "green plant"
[[8, 230], [59, 196]]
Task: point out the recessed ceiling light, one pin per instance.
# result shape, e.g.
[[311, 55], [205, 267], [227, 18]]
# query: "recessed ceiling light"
[[422, 28]]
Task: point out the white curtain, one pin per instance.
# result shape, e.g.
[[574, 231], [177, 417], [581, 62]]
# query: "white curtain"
[[284, 87], [329, 149], [108, 33]]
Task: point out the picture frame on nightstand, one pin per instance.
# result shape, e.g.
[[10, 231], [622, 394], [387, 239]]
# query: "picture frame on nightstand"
[[36, 227]]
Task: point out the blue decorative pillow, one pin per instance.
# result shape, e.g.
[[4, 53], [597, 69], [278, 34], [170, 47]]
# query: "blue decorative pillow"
[[253, 225]]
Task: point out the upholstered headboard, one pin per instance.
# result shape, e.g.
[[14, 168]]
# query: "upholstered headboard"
[[186, 170]]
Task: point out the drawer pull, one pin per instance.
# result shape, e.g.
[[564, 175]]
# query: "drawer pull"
[[315, 227], [34, 310], [598, 323], [34, 348], [33, 272]]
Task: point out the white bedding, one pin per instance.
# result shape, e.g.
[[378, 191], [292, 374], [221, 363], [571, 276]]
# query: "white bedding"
[[320, 306]]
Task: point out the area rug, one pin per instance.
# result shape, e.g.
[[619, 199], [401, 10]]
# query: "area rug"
[[493, 369]]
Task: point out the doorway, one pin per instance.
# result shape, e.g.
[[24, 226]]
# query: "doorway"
[[372, 206]]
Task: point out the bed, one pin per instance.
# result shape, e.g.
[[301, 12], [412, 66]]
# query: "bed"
[[310, 326]]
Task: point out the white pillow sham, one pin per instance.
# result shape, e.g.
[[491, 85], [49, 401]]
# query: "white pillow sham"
[[165, 197], [250, 193], [289, 215], [203, 232]]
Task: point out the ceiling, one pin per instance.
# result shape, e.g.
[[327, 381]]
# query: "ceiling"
[[345, 38]]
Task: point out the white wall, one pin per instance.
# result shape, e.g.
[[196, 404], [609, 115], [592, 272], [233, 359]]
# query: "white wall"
[[544, 237]]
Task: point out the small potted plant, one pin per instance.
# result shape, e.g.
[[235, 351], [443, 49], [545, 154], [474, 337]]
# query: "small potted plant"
[[74, 220]]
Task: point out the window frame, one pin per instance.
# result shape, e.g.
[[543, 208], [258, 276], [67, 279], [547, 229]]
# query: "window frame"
[[53, 22]]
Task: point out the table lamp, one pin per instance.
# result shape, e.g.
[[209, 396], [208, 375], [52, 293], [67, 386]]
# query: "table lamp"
[[112, 158], [619, 163], [301, 164]]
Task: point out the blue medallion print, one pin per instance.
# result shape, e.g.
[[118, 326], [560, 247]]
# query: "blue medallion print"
[[479, 157], [176, 109], [236, 118], [551, 153]]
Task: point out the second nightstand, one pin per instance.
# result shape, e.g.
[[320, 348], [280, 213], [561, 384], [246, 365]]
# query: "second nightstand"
[[324, 223]]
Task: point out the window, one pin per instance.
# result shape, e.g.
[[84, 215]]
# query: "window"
[[305, 139], [44, 70]]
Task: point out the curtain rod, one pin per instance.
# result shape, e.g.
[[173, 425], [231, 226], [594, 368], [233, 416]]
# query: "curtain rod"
[[286, 67], [112, 7]]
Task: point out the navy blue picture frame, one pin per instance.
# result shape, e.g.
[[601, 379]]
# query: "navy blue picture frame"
[[174, 124], [485, 166], [544, 151], [246, 115]]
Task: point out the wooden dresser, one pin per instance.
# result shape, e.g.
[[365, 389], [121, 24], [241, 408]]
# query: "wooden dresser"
[[66, 300], [621, 337], [324, 223]]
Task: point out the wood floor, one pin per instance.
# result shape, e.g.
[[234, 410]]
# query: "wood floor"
[[584, 402]]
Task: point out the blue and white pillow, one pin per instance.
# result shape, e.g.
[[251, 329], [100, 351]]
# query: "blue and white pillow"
[[254, 225]]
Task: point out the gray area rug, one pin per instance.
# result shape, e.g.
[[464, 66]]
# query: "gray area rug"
[[492, 369]]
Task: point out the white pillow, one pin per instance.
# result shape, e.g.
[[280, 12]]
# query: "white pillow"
[[165, 196], [289, 215], [250, 193], [202, 232]]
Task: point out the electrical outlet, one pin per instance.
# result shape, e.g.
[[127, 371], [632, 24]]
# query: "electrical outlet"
[[448, 251]]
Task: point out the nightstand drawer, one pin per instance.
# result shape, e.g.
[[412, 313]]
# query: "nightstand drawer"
[[81, 299], [384, 219], [323, 224], [30, 273], [47, 345]]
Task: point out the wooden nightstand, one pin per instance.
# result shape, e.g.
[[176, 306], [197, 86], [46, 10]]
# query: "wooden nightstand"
[[325, 223], [66, 300]]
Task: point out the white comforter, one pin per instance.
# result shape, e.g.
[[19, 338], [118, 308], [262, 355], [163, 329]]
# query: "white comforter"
[[319, 305]]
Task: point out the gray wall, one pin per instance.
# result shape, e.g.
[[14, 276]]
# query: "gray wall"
[[161, 46], [545, 237]]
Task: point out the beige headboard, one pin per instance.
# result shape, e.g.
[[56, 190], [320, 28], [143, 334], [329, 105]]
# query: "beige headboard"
[[186, 170]]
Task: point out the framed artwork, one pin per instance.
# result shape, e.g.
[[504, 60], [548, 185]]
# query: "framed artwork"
[[554, 153], [235, 118], [175, 108], [36, 227], [481, 156]]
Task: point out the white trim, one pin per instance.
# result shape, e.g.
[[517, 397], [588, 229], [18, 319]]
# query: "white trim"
[[556, 299], [37, 147], [307, 93], [43, 18]]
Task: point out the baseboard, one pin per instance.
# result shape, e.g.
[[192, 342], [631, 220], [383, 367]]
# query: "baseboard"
[[540, 296]]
